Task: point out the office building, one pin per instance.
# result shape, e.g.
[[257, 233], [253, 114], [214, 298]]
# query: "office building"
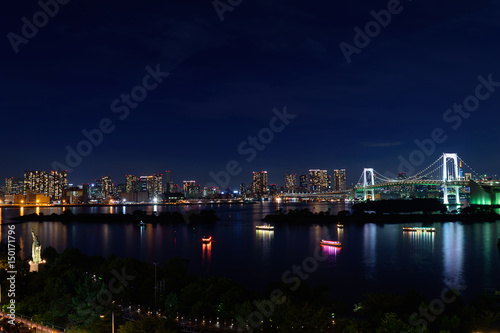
[[191, 190], [58, 181], [36, 182], [318, 180], [259, 183], [303, 184], [291, 183], [339, 180]]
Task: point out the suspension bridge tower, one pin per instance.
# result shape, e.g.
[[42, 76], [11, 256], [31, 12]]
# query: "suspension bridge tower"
[[450, 173], [368, 179]]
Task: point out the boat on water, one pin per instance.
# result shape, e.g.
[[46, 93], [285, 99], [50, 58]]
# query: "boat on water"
[[264, 227], [206, 239], [142, 224], [330, 243], [340, 225], [419, 229]]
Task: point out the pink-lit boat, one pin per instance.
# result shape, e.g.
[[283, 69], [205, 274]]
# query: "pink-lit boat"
[[330, 243]]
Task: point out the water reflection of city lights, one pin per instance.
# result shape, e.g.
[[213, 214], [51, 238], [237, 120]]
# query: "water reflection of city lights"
[[453, 255], [369, 249], [206, 251], [265, 235], [420, 240], [340, 233], [331, 250]]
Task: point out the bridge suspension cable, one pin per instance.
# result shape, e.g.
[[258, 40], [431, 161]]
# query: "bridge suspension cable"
[[474, 171], [439, 168], [428, 167], [360, 178], [380, 176]]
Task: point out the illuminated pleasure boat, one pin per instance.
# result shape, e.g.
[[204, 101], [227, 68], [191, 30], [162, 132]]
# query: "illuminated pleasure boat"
[[340, 225], [264, 227], [206, 239], [419, 229], [330, 243]]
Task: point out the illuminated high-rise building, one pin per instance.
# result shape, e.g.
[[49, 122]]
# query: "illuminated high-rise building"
[[103, 187], [329, 183], [132, 184], [303, 183], [50, 184], [291, 183], [8, 185], [318, 180], [36, 182], [191, 190], [152, 185], [58, 181], [17, 185], [339, 180], [210, 192], [468, 176], [259, 183], [168, 182]]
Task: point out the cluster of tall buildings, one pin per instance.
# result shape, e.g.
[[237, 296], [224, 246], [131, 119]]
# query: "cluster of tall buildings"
[[316, 181], [50, 184], [52, 187]]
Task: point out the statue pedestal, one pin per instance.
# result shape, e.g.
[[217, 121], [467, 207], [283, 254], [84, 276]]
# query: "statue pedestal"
[[36, 267]]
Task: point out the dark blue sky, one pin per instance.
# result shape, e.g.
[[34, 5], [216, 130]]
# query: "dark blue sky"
[[227, 76]]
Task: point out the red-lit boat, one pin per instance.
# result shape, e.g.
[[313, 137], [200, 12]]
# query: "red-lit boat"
[[330, 243], [206, 239]]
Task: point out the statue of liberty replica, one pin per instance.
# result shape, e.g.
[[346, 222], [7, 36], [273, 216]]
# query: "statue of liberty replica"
[[36, 253]]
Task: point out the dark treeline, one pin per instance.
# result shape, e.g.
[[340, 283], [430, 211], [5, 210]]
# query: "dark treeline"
[[79, 293], [387, 211], [193, 216]]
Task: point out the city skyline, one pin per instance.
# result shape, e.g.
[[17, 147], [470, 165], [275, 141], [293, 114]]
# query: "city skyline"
[[172, 84], [37, 181]]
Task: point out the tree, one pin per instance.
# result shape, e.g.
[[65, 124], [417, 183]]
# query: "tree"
[[148, 325]]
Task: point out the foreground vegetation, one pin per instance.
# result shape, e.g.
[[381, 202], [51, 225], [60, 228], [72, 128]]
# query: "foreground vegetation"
[[79, 293], [387, 211]]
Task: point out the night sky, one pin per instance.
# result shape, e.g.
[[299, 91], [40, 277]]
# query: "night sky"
[[226, 77]]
